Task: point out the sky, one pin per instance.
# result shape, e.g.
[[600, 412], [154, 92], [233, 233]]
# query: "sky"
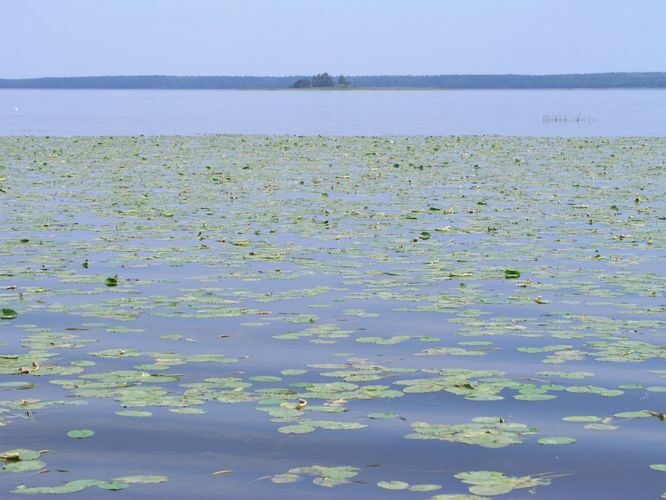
[[351, 37]]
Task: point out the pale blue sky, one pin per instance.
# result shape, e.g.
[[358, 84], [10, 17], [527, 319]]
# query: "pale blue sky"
[[287, 37]]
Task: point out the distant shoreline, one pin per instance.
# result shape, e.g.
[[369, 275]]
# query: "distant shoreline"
[[653, 80], [353, 89]]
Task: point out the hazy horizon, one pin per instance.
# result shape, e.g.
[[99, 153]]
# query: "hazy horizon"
[[306, 75], [41, 38]]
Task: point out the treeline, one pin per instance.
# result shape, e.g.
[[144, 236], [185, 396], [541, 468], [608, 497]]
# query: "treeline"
[[322, 80], [153, 82], [573, 81], [581, 81]]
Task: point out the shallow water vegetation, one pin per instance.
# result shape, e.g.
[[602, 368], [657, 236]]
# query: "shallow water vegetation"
[[22, 460], [556, 440], [7, 313], [492, 483], [198, 280], [80, 433], [489, 432], [115, 484], [70, 487], [323, 475]]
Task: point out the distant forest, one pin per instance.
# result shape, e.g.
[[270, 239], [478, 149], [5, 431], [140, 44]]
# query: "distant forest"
[[574, 81]]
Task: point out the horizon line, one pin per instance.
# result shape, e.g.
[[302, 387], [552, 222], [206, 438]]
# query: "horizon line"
[[333, 74]]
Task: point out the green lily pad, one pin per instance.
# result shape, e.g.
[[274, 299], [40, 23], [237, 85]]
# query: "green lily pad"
[[292, 372], [511, 274], [188, 411], [582, 418], [491, 483], [297, 429], [556, 440], [265, 378], [393, 485], [141, 479], [601, 427], [134, 413], [20, 454], [17, 385], [425, 487], [23, 466], [324, 476], [489, 432], [635, 414], [111, 281], [382, 415], [80, 433], [112, 485], [71, 487], [6, 313]]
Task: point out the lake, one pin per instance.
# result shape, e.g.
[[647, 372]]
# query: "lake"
[[570, 113], [262, 316]]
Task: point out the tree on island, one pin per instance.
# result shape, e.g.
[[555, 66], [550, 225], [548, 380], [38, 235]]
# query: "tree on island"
[[322, 80], [303, 83], [343, 82]]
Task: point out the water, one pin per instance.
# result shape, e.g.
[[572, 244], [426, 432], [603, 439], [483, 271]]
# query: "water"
[[240, 257], [286, 253], [570, 113]]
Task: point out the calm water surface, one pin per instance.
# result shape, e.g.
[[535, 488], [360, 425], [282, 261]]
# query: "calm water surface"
[[363, 274], [470, 112]]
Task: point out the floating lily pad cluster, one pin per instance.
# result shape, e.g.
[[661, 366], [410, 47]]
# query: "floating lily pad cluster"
[[159, 280], [323, 476], [492, 483], [22, 460], [489, 432], [118, 483], [403, 485]]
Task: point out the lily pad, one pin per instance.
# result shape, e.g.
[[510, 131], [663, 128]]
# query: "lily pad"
[[23, 466], [20, 454], [511, 274], [297, 429], [71, 487], [111, 281], [382, 415], [491, 483], [582, 418], [393, 485], [80, 433], [6, 313], [134, 413], [425, 487], [324, 476], [489, 432], [141, 479], [556, 440]]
